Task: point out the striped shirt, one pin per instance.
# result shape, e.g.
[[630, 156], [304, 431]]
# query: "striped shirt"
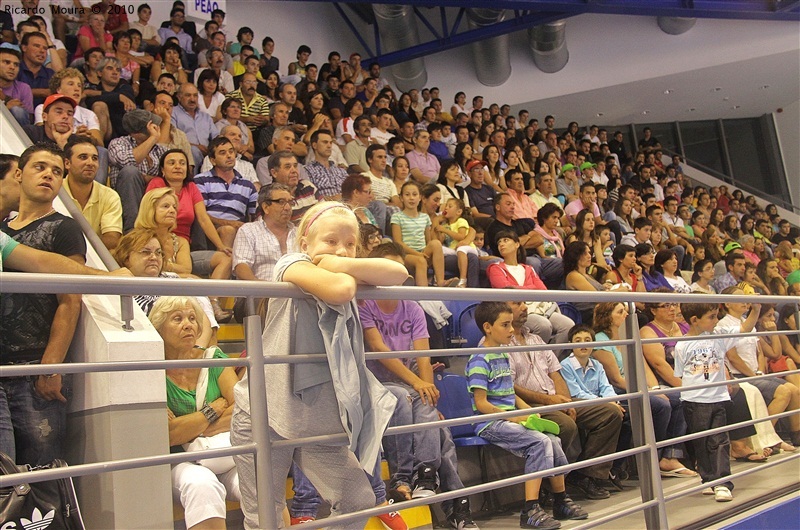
[[259, 106], [412, 229], [232, 202], [491, 372]]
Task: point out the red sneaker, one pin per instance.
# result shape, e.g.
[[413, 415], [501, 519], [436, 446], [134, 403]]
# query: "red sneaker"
[[302, 519], [393, 520]]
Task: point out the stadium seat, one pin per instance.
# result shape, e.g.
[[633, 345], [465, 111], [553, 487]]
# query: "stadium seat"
[[569, 310]]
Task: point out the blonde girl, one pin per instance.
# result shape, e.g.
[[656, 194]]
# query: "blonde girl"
[[326, 267], [456, 235], [413, 231]]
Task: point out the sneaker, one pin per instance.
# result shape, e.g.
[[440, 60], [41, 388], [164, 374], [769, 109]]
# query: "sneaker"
[[536, 517], [722, 494], [393, 520], [569, 510], [302, 519], [461, 518], [590, 488], [425, 482], [462, 282]]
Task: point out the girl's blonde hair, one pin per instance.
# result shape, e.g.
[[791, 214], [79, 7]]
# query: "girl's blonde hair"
[[147, 208], [310, 221], [167, 304]]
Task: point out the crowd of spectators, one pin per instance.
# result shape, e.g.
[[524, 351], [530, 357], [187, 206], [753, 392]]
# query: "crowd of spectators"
[[192, 153]]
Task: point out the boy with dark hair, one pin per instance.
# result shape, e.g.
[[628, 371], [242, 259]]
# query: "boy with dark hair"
[[491, 383], [703, 361]]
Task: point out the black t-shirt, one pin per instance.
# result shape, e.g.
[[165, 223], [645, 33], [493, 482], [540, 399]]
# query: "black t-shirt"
[[520, 226], [297, 117], [6, 22], [27, 318]]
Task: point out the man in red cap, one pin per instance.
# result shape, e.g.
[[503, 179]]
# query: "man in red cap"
[[481, 196], [56, 124]]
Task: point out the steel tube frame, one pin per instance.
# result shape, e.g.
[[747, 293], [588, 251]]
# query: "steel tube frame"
[[645, 450]]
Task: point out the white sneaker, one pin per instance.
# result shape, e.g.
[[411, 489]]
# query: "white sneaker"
[[722, 494]]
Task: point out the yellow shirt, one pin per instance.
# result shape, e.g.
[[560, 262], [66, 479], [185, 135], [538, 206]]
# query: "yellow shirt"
[[103, 209]]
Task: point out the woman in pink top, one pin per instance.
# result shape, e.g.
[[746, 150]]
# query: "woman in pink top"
[[174, 168], [94, 35]]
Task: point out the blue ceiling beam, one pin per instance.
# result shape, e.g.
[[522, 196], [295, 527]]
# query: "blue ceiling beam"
[[786, 10], [466, 37]]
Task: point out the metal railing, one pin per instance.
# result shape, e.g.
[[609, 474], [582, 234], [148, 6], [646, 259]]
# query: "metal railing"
[[645, 445]]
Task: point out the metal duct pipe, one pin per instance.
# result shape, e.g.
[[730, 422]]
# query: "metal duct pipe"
[[548, 43], [491, 57], [398, 28], [675, 25]]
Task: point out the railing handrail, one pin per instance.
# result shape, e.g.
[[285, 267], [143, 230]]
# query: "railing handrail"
[[22, 282], [638, 397]]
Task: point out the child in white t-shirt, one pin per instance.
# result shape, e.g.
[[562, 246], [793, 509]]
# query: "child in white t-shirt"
[[703, 361]]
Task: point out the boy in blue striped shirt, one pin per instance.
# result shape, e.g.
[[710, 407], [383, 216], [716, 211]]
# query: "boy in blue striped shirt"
[[491, 384]]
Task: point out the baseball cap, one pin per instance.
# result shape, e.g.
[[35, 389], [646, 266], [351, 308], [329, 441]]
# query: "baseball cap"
[[733, 245], [472, 164], [58, 97], [586, 165], [136, 121], [567, 167]]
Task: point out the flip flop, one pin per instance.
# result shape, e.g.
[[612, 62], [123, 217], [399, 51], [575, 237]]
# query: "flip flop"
[[537, 423], [678, 473], [747, 458]]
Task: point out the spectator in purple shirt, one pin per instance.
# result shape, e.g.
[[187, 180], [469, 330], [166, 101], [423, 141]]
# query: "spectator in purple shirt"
[[16, 95]]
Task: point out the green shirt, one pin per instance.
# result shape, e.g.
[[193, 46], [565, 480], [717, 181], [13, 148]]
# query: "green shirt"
[[181, 401]]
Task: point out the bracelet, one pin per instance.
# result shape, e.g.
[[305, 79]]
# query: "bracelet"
[[210, 414]]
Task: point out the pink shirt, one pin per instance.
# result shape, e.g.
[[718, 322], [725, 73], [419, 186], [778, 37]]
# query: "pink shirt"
[[426, 163], [86, 31], [524, 208]]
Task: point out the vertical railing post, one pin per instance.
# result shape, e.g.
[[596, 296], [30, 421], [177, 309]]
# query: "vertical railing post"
[[259, 418], [642, 427], [126, 311]]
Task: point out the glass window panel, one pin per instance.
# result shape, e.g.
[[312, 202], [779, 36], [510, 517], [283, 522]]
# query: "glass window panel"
[[747, 151], [701, 143]]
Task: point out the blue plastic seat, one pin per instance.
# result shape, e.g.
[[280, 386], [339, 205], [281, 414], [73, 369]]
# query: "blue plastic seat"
[[455, 402], [569, 310]]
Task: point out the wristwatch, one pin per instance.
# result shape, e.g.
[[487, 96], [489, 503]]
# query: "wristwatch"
[[210, 414]]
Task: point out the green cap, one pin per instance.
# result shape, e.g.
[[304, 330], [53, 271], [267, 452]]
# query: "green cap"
[[587, 165], [567, 167]]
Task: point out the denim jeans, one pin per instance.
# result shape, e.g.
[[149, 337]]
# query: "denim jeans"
[[430, 447], [32, 430], [550, 270], [541, 451], [675, 428]]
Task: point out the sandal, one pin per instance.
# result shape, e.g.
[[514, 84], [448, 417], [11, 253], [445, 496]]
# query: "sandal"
[[680, 472], [748, 458]]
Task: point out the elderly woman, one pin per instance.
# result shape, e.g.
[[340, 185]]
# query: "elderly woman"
[[748, 243], [231, 111], [140, 251], [200, 403], [158, 212], [544, 318], [548, 217]]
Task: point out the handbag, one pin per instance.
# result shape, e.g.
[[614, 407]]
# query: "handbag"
[[543, 309], [49, 504], [220, 464]]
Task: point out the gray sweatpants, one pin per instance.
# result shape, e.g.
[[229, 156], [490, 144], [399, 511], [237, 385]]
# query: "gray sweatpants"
[[333, 470]]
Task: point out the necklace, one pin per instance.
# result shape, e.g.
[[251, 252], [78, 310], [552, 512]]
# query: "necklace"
[[665, 330], [52, 210]]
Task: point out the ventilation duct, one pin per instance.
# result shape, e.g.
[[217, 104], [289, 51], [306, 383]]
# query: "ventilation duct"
[[675, 25], [548, 43], [491, 57], [398, 29]]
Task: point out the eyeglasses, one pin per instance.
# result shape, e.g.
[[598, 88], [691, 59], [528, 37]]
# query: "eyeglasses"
[[374, 237], [146, 252], [666, 306], [283, 202]]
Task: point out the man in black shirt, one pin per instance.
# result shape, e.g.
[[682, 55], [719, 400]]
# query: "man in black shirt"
[[550, 270], [38, 328]]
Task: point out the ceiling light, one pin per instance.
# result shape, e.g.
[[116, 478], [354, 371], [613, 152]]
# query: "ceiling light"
[[763, 87], [599, 115], [736, 107], [645, 112], [717, 89], [668, 91], [692, 109], [726, 98]]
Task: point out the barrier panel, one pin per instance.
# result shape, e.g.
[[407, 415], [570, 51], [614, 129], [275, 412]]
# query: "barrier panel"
[[645, 448]]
